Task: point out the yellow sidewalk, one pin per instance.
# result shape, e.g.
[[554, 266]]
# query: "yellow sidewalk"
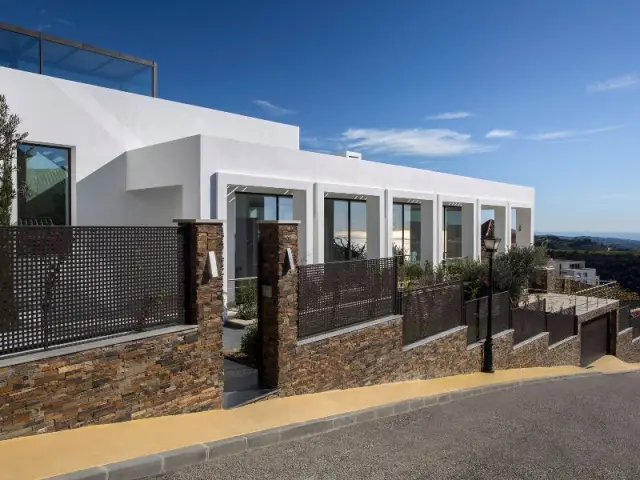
[[42, 456]]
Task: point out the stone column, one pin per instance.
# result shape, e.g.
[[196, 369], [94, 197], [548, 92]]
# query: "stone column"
[[277, 299], [204, 299]]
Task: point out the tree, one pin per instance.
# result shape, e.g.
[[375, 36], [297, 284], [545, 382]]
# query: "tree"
[[10, 138]]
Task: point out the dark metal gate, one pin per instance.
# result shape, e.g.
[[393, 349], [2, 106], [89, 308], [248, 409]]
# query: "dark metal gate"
[[594, 339]]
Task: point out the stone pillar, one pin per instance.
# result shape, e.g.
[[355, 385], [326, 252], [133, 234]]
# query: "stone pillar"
[[277, 299], [204, 298]]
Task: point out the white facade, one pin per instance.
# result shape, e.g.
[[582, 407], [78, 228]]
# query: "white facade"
[[575, 270], [138, 160]]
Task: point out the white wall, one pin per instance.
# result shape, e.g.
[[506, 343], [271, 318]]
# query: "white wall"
[[101, 124], [262, 160]]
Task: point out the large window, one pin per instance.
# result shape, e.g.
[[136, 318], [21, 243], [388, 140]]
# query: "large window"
[[452, 231], [406, 231], [250, 209], [44, 185], [38, 52], [345, 230]]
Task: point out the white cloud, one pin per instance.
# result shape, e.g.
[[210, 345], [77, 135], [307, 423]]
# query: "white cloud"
[[497, 133], [564, 134], [414, 142], [273, 109], [451, 116], [626, 81]]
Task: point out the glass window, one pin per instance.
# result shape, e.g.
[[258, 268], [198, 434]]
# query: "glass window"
[[415, 232], [406, 231], [398, 230], [345, 230], [285, 208], [19, 51], [71, 63], [452, 232], [250, 209], [43, 180]]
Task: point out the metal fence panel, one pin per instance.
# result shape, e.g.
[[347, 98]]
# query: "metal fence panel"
[[431, 310], [476, 313], [528, 321], [562, 324], [624, 316], [64, 284], [336, 295]]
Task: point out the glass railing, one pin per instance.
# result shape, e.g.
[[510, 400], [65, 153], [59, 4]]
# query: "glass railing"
[[38, 52]]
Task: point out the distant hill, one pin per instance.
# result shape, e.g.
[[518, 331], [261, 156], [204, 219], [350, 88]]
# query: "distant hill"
[[589, 243]]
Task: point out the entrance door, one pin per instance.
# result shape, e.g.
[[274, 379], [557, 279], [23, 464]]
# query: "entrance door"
[[594, 340]]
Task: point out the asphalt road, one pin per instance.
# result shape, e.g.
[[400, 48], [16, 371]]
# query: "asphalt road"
[[582, 428]]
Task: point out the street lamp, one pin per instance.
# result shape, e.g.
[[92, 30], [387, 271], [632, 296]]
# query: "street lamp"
[[491, 244]]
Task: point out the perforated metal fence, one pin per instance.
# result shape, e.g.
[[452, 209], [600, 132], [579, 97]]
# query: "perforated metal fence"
[[340, 294], [624, 317], [65, 284], [430, 310], [476, 313], [529, 320], [562, 324]]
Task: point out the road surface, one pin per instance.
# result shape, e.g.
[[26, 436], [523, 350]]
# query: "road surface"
[[576, 429]]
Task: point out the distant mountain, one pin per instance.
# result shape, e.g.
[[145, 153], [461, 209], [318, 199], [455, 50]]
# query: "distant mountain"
[[588, 242]]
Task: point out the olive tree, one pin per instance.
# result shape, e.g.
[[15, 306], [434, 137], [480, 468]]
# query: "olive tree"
[[10, 138]]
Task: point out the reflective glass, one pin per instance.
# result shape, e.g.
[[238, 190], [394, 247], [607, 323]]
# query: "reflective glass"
[[397, 238], [71, 63], [415, 233], [43, 182], [358, 230], [19, 51], [285, 208], [453, 232]]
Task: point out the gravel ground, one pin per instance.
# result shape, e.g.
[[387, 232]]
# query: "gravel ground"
[[582, 428]]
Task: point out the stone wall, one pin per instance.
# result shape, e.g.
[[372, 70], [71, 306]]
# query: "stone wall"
[[153, 374], [628, 348], [370, 353]]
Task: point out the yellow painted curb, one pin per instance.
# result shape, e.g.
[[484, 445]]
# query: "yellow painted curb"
[[82, 448]]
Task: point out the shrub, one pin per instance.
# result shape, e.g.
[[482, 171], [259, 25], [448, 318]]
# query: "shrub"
[[247, 300], [250, 344]]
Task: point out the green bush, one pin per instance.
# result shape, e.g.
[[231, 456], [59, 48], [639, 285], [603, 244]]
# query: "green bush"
[[250, 344], [247, 300]]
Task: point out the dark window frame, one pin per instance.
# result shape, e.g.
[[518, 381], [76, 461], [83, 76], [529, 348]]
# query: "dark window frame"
[[69, 150]]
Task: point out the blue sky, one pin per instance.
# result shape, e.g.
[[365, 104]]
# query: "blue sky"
[[540, 93]]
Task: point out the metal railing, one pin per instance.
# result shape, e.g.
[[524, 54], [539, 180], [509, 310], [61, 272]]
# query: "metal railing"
[[594, 297], [65, 284], [340, 294]]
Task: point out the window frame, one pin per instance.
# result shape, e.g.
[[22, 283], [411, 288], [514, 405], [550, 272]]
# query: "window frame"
[[69, 187]]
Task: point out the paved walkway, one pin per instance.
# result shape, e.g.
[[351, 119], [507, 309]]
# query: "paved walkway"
[[578, 429], [78, 449]]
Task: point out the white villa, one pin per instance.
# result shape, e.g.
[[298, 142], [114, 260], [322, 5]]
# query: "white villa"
[[104, 150]]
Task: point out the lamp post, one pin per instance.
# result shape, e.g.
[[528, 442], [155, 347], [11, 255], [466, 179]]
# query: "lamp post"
[[491, 244]]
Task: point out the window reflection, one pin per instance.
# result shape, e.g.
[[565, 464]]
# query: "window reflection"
[[250, 209], [19, 51], [345, 230], [452, 232], [71, 63], [406, 231], [43, 181]]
